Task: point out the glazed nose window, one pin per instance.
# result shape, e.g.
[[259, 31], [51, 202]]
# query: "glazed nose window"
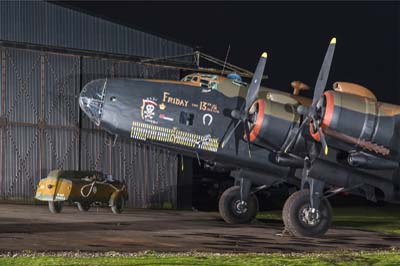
[[91, 99]]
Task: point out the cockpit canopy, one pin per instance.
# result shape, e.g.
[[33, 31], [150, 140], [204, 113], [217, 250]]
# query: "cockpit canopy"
[[211, 82], [203, 80]]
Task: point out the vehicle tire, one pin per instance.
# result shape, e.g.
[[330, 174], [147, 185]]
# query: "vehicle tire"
[[55, 206], [118, 204], [231, 209], [299, 219], [83, 206]]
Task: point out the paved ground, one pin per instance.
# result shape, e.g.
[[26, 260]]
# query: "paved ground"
[[34, 228]]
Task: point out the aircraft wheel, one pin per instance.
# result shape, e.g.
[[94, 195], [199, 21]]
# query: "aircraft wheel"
[[55, 206], [83, 206], [118, 204], [301, 220], [233, 211]]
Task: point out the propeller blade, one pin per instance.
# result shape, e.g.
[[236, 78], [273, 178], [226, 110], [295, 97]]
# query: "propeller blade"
[[293, 140], [323, 140], [247, 132], [225, 140], [324, 72], [310, 113], [254, 86]]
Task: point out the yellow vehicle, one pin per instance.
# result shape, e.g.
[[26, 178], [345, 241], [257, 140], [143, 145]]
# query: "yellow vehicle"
[[84, 188]]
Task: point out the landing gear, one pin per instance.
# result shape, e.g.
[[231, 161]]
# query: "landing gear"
[[303, 220], [234, 210]]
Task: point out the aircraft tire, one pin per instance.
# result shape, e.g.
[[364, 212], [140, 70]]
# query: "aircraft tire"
[[83, 207], [55, 206], [228, 207], [297, 219]]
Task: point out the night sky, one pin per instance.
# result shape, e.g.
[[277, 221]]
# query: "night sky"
[[295, 35]]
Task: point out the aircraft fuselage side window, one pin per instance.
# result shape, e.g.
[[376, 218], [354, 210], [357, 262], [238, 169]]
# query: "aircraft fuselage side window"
[[186, 118]]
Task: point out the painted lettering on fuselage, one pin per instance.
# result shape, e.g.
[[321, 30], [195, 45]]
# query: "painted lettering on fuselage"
[[167, 98]]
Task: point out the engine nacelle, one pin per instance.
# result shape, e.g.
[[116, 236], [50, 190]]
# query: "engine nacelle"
[[272, 123], [360, 117]]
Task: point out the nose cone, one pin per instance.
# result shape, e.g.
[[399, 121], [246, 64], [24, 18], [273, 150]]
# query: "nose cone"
[[91, 99]]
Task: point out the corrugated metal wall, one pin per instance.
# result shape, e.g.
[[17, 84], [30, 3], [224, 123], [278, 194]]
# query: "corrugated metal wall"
[[42, 128], [49, 24]]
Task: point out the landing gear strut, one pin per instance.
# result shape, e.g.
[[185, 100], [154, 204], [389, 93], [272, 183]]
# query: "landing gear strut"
[[237, 205]]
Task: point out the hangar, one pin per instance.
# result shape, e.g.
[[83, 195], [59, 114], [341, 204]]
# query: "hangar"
[[48, 52]]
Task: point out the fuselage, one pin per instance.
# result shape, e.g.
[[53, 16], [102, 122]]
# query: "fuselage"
[[192, 119], [183, 116]]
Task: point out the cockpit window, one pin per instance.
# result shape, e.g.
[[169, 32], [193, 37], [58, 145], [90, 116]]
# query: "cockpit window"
[[204, 83], [187, 78], [239, 83], [213, 85], [210, 82]]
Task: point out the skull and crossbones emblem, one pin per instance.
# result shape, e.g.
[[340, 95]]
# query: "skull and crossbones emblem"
[[148, 109]]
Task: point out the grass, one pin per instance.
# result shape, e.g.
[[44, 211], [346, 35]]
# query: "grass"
[[364, 259], [382, 219]]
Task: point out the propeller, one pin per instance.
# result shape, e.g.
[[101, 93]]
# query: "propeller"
[[313, 113], [243, 115]]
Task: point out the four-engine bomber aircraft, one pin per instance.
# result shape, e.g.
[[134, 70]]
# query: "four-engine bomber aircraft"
[[265, 136]]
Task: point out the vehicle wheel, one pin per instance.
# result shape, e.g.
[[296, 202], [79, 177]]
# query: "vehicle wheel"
[[118, 204], [83, 206], [55, 206], [299, 218], [233, 211]]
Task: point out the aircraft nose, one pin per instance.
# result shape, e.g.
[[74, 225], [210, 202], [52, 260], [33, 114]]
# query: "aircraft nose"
[[91, 99]]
